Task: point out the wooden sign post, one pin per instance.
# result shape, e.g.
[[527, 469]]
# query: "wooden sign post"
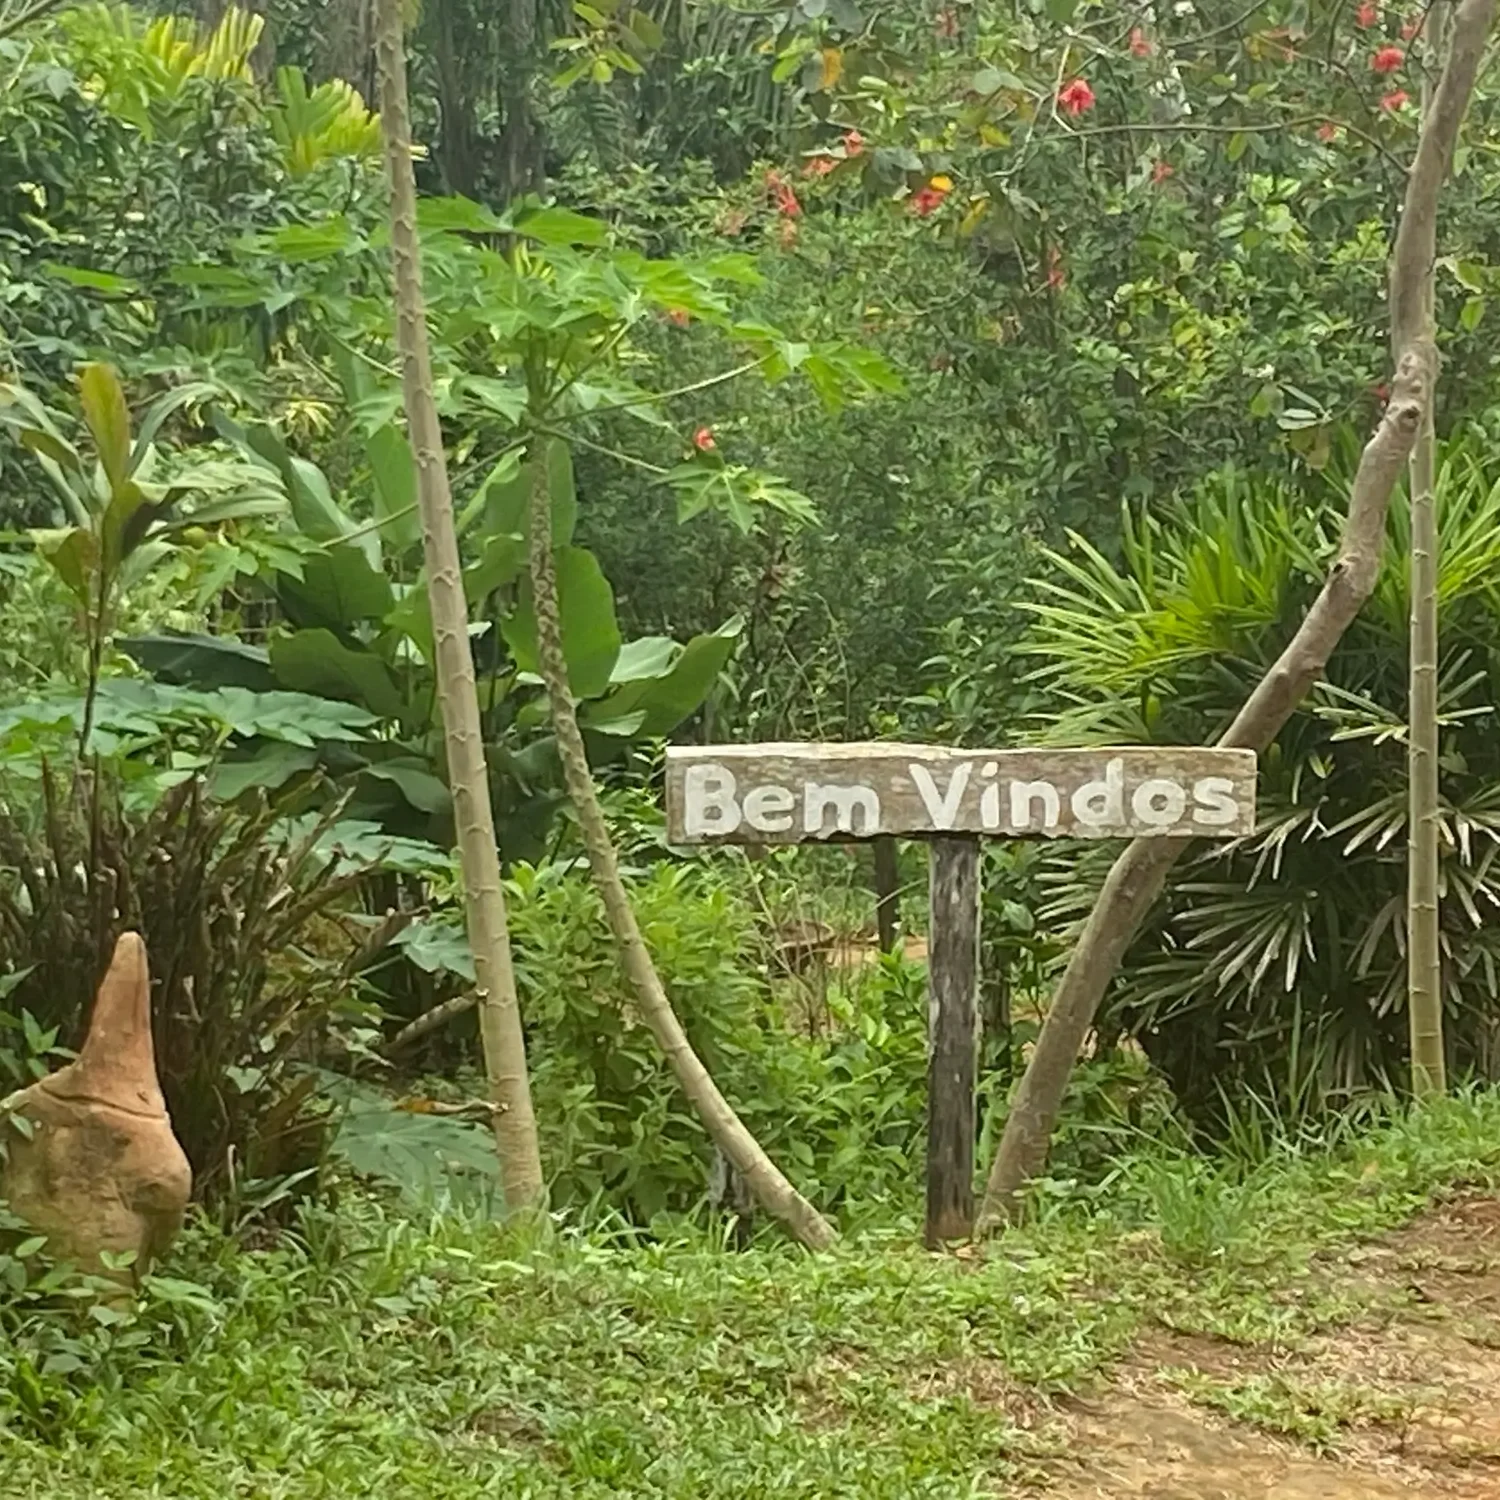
[[790, 794]]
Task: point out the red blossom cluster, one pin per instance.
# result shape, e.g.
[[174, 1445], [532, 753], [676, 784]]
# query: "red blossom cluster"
[[1367, 15], [1387, 59], [782, 194], [1393, 101], [930, 196], [819, 166], [703, 440], [1075, 97], [1161, 171]]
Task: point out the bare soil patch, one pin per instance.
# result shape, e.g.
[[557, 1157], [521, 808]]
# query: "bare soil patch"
[[1400, 1403]]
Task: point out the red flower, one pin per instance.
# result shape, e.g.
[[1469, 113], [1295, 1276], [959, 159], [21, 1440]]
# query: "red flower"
[[1057, 278], [1161, 171], [1327, 131], [819, 166], [1411, 29], [679, 317], [1075, 98], [1367, 15], [926, 200], [703, 440], [1140, 43], [1393, 101], [854, 143], [781, 191], [1387, 59]]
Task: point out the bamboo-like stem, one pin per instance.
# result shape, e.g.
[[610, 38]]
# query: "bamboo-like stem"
[[468, 778], [1424, 972]]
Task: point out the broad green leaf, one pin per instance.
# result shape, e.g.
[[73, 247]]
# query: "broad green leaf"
[[501, 562], [115, 528], [163, 407], [296, 243], [417, 784], [74, 557], [108, 418], [395, 474], [650, 656], [271, 766], [456, 214], [590, 632], [94, 281], [316, 661], [49, 445], [505, 397], [662, 703], [203, 660], [561, 226], [507, 496], [338, 588]]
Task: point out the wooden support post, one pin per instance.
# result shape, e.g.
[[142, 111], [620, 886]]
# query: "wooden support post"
[[953, 1011], [887, 893]]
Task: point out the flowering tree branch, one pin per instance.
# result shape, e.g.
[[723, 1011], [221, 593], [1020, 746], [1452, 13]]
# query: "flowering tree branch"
[[1137, 877]]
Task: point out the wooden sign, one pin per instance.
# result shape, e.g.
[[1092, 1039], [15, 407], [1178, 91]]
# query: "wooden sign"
[[789, 794]]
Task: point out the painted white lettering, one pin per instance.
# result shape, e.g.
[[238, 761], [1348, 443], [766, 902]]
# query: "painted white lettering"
[[845, 802], [1101, 804], [1214, 803], [1024, 793], [708, 801], [1159, 802], [769, 809], [989, 806], [942, 810]]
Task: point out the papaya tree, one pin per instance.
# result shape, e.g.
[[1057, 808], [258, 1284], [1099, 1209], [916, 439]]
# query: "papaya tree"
[[500, 1031]]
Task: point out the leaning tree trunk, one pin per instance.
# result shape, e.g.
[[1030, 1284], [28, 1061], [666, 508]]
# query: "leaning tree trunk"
[[1138, 875], [725, 1128], [1424, 987], [489, 936]]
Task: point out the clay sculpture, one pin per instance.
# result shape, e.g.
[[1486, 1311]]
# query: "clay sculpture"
[[88, 1155]]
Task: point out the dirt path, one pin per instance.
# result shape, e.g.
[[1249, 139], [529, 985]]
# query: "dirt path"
[[1401, 1403]]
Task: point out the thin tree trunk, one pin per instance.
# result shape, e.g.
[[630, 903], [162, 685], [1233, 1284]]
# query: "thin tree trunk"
[[725, 1128], [521, 143], [1424, 981], [1138, 875], [489, 935]]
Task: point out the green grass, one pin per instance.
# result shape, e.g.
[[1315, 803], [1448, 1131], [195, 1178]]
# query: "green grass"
[[373, 1356]]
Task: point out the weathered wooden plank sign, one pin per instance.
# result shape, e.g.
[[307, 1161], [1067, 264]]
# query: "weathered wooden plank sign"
[[788, 794]]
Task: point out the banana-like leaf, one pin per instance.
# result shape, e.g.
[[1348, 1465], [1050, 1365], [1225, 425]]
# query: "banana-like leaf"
[[316, 661], [590, 631]]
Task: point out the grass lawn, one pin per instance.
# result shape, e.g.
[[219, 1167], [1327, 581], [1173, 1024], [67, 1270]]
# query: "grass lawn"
[[445, 1359]]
